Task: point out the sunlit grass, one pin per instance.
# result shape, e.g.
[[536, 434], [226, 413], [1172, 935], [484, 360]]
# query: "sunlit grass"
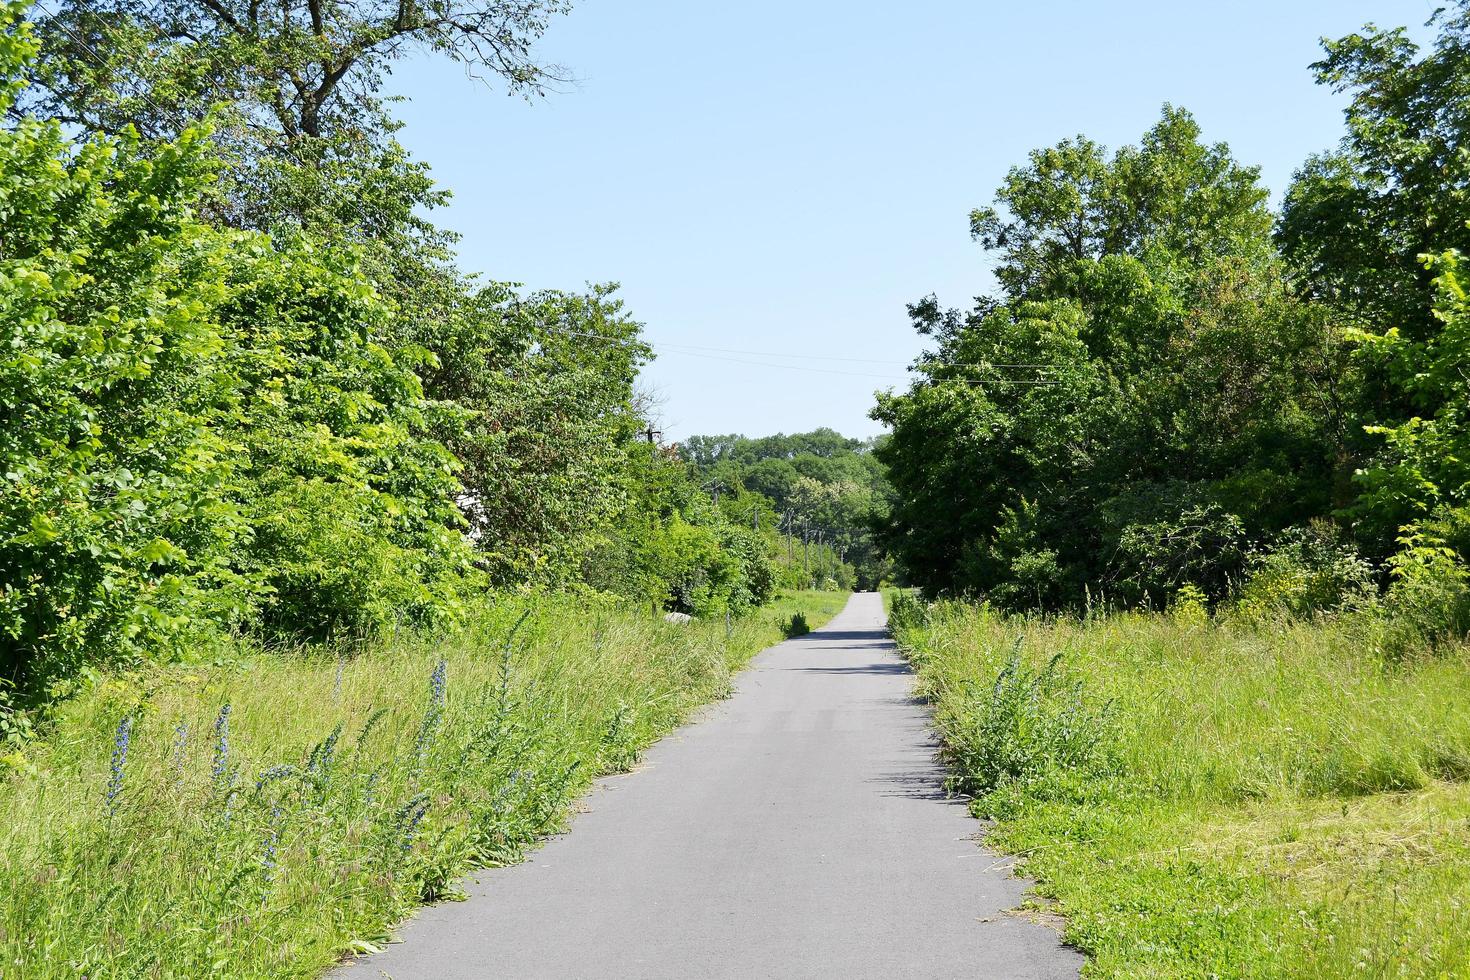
[[1276, 800], [338, 791]]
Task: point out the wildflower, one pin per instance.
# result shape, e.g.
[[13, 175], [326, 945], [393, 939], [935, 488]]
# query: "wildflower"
[[408, 818], [120, 744], [268, 855], [432, 714], [181, 744], [436, 683], [319, 762], [272, 774], [220, 773]]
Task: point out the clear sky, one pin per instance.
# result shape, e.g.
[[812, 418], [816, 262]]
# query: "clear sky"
[[785, 175]]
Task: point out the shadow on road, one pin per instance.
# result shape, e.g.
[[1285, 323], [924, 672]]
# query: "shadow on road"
[[920, 786], [887, 667], [824, 635]]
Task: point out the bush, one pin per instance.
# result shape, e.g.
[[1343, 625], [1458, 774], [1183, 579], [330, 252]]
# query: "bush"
[[1158, 548], [796, 626], [1028, 728], [204, 430], [906, 611], [1429, 598], [1307, 570], [116, 524]]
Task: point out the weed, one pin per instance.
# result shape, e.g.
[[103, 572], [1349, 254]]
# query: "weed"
[[367, 792], [1227, 797], [796, 626]]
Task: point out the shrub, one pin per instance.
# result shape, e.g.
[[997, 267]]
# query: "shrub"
[[796, 626], [1307, 570], [116, 524], [1159, 549], [1030, 727], [906, 611], [1429, 598], [205, 432]]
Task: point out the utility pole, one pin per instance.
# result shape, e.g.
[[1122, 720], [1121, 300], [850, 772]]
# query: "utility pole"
[[806, 565], [651, 434]]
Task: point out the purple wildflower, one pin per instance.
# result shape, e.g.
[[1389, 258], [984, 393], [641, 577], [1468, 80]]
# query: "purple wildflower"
[[120, 743]]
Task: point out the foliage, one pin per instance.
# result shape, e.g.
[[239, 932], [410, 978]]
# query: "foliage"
[[1250, 799], [341, 788], [209, 434], [116, 532], [816, 485], [1027, 732], [1142, 401], [298, 86], [1307, 571], [1424, 464], [796, 626], [1355, 222], [551, 414], [1429, 599]]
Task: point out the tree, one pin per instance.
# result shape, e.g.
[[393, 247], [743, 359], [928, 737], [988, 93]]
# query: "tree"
[[116, 524], [1169, 199], [204, 432], [549, 381], [1355, 222], [297, 88], [1143, 394], [818, 481], [1423, 472]]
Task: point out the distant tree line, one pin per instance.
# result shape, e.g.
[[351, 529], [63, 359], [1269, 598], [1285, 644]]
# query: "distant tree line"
[[1177, 389], [813, 486]]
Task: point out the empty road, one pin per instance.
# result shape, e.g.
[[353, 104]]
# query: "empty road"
[[796, 830]]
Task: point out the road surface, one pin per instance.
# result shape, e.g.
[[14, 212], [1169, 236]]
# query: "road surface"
[[796, 830]]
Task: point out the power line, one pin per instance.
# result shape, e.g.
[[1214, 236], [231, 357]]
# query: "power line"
[[689, 350]]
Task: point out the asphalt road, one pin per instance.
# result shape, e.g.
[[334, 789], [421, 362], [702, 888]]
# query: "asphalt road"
[[796, 830]]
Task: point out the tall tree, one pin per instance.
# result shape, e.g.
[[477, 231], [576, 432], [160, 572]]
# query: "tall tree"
[[1356, 222], [297, 85], [1141, 398]]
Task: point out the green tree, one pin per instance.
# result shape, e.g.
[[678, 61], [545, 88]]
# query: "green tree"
[[206, 432], [548, 380], [117, 524], [298, 88], [1355, 222], [1143, 392]]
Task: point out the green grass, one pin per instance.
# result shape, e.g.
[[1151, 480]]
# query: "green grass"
[[346, 793], [1212, 798]]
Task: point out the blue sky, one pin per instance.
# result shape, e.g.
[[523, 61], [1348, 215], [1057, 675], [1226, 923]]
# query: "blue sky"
[[784, 177]]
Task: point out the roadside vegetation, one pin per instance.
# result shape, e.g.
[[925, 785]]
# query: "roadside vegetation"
[[327, 571], [1223, 797], [1187, 507], [267, 811], [825, 494]]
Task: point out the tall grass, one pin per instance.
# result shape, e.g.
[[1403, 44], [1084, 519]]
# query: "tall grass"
[[1213, 798], [263, 815]]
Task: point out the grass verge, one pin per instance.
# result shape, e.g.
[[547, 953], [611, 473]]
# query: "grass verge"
[[262, 815], [1209, 799]]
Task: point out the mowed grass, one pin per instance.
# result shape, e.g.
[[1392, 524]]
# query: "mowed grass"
[[1213, 798], [156, 833]]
